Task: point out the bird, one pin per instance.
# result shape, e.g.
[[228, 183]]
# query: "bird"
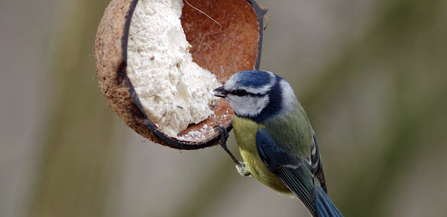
[[275, 138]]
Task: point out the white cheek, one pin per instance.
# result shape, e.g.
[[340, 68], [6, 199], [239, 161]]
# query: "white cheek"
[[289, 100], [247, 105]]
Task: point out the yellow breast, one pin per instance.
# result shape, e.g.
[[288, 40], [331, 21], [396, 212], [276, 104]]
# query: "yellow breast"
[[245, 132]]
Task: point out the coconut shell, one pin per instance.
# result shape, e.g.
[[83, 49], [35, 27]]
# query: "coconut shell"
[[225, 49]]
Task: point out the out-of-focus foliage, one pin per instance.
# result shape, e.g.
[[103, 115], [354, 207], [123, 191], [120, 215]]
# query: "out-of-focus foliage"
[[371, 75], [392, 82]]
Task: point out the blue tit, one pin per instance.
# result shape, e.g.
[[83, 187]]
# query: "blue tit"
[[275, 139]]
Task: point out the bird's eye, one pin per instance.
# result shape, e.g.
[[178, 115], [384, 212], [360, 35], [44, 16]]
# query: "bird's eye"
[[240, 92]]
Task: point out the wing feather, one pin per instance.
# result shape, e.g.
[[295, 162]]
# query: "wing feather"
[[317, 166], [293, 171]]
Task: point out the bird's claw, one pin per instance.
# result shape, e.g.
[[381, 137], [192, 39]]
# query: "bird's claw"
[[242, 169], [223, 134]]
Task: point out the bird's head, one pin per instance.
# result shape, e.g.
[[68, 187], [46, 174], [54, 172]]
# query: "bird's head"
[[258, 95]]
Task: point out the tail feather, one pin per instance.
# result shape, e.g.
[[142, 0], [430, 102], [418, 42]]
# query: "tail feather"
[[324, 205]]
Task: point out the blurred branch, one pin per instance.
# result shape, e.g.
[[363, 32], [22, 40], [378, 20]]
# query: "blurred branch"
[[80, 144]]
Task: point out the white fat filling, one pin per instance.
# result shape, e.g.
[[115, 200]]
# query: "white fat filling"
[[173, 90]]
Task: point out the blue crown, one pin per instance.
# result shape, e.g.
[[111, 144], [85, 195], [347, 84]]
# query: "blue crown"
[[254, 79]]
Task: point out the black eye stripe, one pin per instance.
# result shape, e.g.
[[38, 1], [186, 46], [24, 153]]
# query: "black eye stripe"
[[239, 92], [242, 92]]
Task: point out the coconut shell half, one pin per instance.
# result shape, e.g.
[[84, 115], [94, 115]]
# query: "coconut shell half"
[[225, 49]]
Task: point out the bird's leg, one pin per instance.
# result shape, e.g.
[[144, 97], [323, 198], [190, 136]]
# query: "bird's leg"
[[223, 142], [240, 166]]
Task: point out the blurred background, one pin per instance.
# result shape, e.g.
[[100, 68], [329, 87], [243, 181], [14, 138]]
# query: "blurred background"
[[371, 75]]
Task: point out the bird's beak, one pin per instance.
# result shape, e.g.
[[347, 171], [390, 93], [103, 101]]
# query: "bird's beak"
[[220, 92]]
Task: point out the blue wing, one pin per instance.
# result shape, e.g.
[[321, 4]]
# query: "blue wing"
[[297, 174], [317, 166]]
